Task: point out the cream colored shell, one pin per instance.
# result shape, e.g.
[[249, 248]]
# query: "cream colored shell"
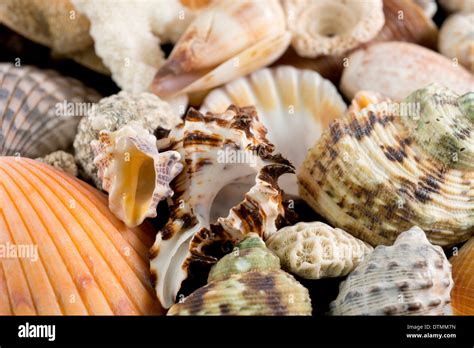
[[457, 5], [315, 250]]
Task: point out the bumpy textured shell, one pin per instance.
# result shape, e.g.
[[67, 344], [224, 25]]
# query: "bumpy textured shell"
[[87, 261], [463, 275], [36, 114], [406, 68], [133, 172], [61, 160], [111, 113], [247, 281], [315, 250], [381, 170], [227, 40], [456, 39], [217, 151], [294, 105], [411, 277]]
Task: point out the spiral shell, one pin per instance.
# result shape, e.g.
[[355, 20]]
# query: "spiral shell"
[[79, 258], [463, 275], [248, 281], [390, 166], [315, 250], [39, 110], [411, 277]]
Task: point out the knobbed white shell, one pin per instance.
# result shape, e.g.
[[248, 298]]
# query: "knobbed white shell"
[[39, 110], [295, 105], [332, 27], [314, 250], [412, 277], [456, 39]]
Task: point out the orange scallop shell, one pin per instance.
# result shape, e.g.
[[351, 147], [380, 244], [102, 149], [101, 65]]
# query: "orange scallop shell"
[[87, 261], [462, 295]]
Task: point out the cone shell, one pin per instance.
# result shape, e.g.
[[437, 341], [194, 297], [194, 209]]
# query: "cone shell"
[[463, 275], [332, 27], [398, 68], [379, 171], [412, 277], [315, 250], [36, 114], [247, 281], [87, 261], [293, 104], [456, 39]]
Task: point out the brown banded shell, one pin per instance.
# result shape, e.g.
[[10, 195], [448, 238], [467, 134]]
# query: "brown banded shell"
[[463, 275], [248, 281], [411, 277], [392, 165], [39, 110]]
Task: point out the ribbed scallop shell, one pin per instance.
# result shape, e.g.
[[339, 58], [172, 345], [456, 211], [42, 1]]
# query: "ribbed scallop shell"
[[34, 110], [412, 277], [463, 275], [314, 250], [456, 39], [379, 171], [294, 105], [88, 261], [398, 68]]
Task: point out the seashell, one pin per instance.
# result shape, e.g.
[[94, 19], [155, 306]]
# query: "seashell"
[[456, 39], [406, 68], [332, 27], [411, 277], [457, 5], [217, 150], [111, 113], [59, 241], [394, 165], [415, 27], [132, 171], [248, 281], [228, 40], [291, 104], [315, 250], [463, 271], [429, 7], [61, 160], [39, 110]]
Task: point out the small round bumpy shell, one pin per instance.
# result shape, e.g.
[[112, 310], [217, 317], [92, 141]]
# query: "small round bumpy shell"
[[315, 250], [412, 277]]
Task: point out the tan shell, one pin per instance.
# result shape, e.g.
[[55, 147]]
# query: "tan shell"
[[456, 39], [332, 27], [457, 5], [412, 277], [315, 250], [463, 275], [395, 69], [291, 103], [390, 166]]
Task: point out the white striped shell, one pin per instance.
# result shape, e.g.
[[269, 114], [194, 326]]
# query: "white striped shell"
[[314, 250], [295, 106], [132, 171], [456, 39], [411, 277], [39, 110]]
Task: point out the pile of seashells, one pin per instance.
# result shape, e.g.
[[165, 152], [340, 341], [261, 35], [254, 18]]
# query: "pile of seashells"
[[278, 143]]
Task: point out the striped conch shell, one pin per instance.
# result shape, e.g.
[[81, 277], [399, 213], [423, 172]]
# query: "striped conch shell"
[[228, 40], [314, 250], [248, 281], [217, 150], [456, 39], [463, 275], [395, 69], [294, 105], [132, 171], [332, 27], [411, 277], [390, 166]]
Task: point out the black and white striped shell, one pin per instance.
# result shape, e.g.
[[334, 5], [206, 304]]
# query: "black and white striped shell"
[[411, 277], [39, 110]]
